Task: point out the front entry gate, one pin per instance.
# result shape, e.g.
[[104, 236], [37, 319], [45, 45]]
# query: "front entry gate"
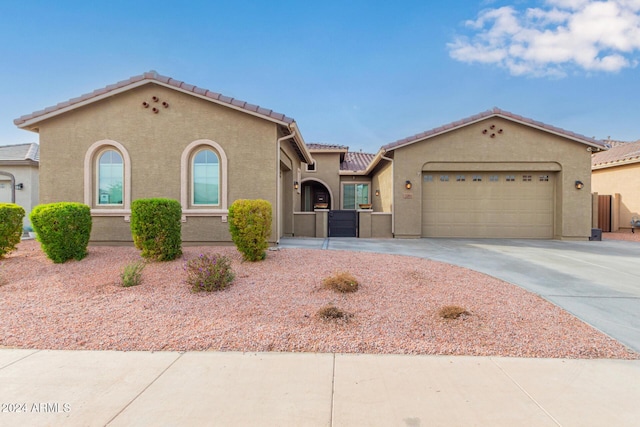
[[343, 223]]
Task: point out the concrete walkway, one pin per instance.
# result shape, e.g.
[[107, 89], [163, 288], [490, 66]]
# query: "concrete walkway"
[[97, 388], [599, 282]]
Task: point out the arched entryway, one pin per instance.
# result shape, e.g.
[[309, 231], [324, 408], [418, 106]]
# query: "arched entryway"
[[315, 195]]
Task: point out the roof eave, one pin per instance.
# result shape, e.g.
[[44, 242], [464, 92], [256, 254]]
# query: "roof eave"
[[615, 163], [29, 123], [302, 146]]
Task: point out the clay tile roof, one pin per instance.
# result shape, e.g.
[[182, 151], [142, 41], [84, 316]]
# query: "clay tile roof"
[[619, 153], [152, 76], [356, 161], [495, 112], [319, 146], [20, 152]]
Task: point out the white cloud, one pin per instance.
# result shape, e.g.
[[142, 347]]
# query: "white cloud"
[[551, 40]]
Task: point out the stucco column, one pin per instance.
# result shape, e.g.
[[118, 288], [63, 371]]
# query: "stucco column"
[[322, 223], [364, 223]]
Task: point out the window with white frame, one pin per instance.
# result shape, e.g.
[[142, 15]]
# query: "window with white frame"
[[354, 195], [110, 178], [205, 178]]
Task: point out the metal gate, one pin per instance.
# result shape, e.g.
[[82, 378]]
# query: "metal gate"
[[343, 223], [604, 213]]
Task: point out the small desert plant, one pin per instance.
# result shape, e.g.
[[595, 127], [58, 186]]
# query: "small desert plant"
[[132, 274], [341, 282], [209, 273], [11, 216], [331, 312], [452, 312], [250, 227], [63, 229], [156, 228]]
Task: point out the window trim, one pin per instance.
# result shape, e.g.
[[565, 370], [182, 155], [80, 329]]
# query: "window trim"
[[90, 179], [185, 179], [368, 183]]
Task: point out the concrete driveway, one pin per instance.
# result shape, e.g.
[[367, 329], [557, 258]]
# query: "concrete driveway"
[[599, 282]]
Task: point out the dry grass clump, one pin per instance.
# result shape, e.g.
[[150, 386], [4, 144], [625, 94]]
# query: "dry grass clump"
[[341, 282], [452, 312], [331, 312]]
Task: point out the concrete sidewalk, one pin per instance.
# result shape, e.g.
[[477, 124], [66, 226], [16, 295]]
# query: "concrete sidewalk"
[[97, 388]]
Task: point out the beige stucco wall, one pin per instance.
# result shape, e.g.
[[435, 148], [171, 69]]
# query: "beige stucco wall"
[[27, 175], [518, 147], [382, 180], [624, 180], [155, 143]]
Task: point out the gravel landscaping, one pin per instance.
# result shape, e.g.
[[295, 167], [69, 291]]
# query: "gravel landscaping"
[[273, 305]]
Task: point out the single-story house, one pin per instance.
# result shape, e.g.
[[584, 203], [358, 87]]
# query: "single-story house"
[[154, 136], [495, 174], [19, 176], [615, 177]]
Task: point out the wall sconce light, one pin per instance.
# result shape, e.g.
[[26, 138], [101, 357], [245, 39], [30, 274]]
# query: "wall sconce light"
[[295, 185], [579, 185], [377, 193], [20, 186], [407, 185]]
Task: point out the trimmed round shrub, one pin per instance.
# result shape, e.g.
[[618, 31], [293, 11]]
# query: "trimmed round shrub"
[[11, 216], [155, 228], [250, 227], [63, 230]]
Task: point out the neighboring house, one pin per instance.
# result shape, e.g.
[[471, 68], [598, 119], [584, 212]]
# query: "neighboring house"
[[19, 176], [153, 136], [615, 177], [494, 174]]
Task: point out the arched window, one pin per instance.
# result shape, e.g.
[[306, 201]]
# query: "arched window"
[[205, 178], [110, 178]]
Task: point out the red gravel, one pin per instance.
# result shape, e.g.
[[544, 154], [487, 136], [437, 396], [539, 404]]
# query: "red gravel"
[[272, 306]]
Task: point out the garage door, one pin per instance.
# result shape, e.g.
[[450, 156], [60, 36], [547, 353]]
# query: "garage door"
[[488, 204]]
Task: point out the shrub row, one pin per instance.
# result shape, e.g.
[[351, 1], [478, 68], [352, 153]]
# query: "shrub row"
[[64, 228]]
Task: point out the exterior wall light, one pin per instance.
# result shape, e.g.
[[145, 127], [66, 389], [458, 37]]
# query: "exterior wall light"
[[377, 193], [20, 186], [579, 185], [295, 185], [407, 185]]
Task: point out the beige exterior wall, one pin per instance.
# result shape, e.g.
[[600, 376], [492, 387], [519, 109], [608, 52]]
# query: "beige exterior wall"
[[518, 148], [27, 175], [623, 180], [155, 143], [382, 181], [327, 173]]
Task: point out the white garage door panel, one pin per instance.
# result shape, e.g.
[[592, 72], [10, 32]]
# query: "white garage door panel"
[[507, 206]]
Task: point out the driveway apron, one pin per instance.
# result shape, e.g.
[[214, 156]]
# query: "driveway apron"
[[598, 282]]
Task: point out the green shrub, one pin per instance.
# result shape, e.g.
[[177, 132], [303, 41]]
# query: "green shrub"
[[11, 216], [132, 274], [341, 282], [250, 227], [207, 273], [155, 227], [63, 230]]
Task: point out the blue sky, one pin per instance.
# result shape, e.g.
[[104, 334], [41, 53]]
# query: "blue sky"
[[356, 73]]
